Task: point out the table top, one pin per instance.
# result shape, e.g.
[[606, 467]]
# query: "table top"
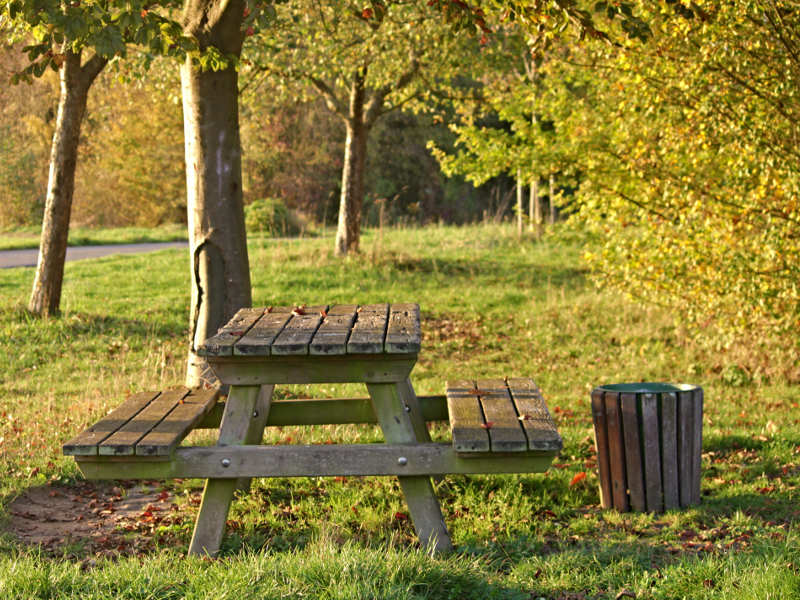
[[324, 330]]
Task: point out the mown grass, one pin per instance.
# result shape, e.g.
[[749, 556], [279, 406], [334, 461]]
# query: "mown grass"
[[28, 237], [492, 305]]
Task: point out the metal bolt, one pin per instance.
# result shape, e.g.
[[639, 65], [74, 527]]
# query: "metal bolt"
[[255, 413], [226, 462], [402, 461], [408, 408]]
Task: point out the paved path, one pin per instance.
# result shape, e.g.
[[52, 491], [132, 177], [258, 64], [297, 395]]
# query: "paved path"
[[28, 258]]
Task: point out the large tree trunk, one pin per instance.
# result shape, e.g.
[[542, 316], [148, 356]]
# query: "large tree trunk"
[[355, 160], [220, 270], [74, 90]]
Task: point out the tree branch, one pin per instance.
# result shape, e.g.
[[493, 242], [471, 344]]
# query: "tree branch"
[[375, 104], [331, 100]]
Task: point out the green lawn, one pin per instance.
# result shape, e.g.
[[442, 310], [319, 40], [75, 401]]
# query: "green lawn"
[[492, 305]]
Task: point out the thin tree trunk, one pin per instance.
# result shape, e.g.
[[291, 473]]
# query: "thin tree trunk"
[[220, 270], [74, 90], [355, 159], [519, 211], [552, 200], [535, 207]]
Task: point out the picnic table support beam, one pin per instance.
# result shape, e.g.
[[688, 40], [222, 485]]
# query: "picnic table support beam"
[[256, 432], [238, 425], [389, 400]]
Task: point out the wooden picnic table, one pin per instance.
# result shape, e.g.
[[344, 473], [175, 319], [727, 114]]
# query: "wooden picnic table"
[[376, 345]]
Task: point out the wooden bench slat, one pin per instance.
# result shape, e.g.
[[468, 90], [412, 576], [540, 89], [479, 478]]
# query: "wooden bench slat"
[[123, 441], [505, 429], [369, 330], [85, 444], [403, 333], [223, 342], [466, 418], [331, 337], [258, 340], [296, 336], [533, 415], [165, 436]]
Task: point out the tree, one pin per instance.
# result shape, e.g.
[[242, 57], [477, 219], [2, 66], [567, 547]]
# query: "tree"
[[365, 62], [77, 41]]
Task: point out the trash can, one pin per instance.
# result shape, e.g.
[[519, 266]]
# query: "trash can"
[[649, 439]]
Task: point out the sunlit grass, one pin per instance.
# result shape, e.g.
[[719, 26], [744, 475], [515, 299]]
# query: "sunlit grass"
[[492, 305]]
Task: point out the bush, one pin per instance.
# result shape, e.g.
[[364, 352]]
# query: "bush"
[[272, 217]]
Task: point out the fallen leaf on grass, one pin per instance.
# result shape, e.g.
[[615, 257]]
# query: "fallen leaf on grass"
[[577, 479]]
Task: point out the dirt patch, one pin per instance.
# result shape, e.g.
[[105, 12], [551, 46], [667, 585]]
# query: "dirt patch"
[[91, 518]]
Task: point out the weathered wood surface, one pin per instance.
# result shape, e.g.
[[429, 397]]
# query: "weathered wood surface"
[[633, 451], [369, 330], [652, 453], [496, 415], [502, 422], [685, 445], [331, 337], [669, 449], [147, 424], [314, 461], [616, 452], [533, 415], [85, 443], [258, 340], [466, 418], [403, 333], [318, 331], [601, 444], [697, 445], [222, 343]]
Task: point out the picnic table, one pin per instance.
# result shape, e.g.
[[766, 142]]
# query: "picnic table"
[[499, 426]]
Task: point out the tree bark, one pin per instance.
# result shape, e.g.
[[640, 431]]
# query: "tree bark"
[[355, 160], [220, 269], [535, 207], [552, 198], [519, 210], [74, 90]]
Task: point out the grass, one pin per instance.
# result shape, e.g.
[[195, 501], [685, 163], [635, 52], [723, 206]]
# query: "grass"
[[491, 306], [22, 238]]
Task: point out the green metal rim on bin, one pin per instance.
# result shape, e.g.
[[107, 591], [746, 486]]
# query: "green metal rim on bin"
[[647, 387]]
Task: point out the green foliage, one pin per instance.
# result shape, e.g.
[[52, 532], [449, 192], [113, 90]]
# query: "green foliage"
[[270, 216]]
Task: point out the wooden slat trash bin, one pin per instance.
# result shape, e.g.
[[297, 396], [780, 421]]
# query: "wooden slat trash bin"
[[649, 443]]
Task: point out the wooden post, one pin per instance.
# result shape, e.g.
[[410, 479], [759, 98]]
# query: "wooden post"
[[519, 210]]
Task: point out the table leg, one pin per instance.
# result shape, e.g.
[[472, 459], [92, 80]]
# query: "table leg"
[[238, 424], [389, 401], [256, 431], [409, 398]]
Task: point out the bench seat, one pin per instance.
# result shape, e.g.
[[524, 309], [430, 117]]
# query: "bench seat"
[[500, 416], [148, 424]]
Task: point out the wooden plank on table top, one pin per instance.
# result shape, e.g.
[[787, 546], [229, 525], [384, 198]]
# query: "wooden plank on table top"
[[533, 415], [298, 332], [685, 442], [601, 444], [669, 449], [167, 434], [616, 452], [258, 340], [651, 455], [633, 451], [466, 418], [123, 441], [85, 444], [502, 421], [222, 343], [369, 330], [403, 333], [331, 337]]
